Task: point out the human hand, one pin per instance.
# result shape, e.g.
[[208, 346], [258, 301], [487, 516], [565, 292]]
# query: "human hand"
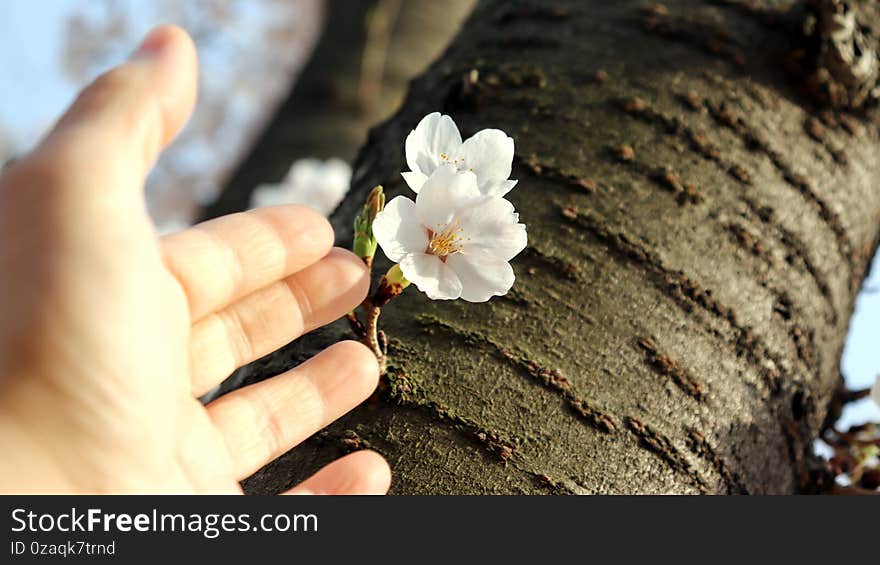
[[109, 334]]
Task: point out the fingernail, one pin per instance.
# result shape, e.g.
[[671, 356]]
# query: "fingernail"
[[152, 45]]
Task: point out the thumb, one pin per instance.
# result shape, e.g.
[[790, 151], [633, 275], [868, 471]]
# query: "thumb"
[[114, 131]]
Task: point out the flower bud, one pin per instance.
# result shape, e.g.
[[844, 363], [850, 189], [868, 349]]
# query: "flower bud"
[[364, 245], [391, 285]]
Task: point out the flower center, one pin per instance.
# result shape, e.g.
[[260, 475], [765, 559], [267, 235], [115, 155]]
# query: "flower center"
[[458, 161], [446, 240]]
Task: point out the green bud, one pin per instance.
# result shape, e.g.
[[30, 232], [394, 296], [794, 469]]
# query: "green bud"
[[364, 243]]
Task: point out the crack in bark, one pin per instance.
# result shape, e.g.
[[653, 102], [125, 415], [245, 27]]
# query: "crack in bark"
[[577, 183], [684, 290], [551, 379], [707, 39], [664, 177], [756, 11], [666, 366], [818, 133], [745, 239], [697, 141], [797, 249], [701, 448], [555, 486], [399, 389], [753, 141], [662, 446], [565, 269]]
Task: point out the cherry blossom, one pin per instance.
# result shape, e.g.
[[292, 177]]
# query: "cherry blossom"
[[454, 241], [436, 142]]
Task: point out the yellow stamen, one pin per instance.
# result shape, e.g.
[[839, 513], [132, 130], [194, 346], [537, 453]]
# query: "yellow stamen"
[[446, 241], [458, 161]]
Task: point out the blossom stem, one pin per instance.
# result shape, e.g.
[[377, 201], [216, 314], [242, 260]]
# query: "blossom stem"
[[383, 342], [371, 334], [391, 285]]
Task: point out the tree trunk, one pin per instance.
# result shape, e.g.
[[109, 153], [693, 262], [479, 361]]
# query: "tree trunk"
[[698, 230]]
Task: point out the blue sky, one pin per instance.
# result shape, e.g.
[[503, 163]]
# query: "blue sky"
[[861, 357]]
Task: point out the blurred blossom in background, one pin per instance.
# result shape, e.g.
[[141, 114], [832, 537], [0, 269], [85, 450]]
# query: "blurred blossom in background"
[[313, 182], [250, 53]]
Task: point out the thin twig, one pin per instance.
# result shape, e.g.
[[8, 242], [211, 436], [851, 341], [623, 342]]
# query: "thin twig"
[[371, 334], [848, 396]]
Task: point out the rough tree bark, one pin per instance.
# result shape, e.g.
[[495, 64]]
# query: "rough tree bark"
[[698, 229]]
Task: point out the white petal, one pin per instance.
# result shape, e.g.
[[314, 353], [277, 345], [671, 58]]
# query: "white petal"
[[431, 275], [482, 275], [436, 135], [398, 230], [414, 180], [491, 226], [443, 194], [489, 154], [498, 188]]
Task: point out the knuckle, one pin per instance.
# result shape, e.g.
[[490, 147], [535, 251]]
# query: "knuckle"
[[107, 87], [237, 335], [318, 226], [119, 101]]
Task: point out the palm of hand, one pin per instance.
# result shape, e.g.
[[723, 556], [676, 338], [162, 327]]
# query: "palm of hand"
[[111, 334]]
